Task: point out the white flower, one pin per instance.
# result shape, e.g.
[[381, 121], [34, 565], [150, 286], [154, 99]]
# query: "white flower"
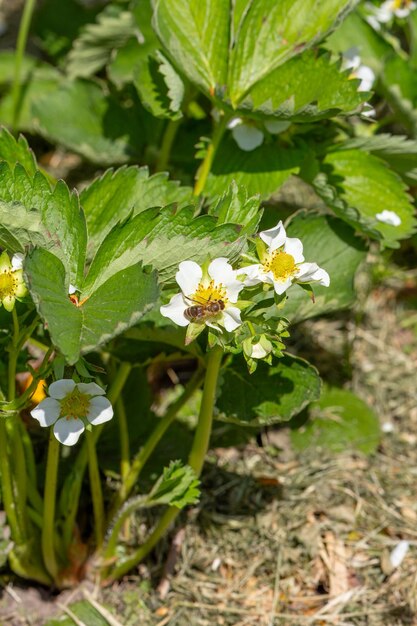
[[275, 127], [69, 405], [389, 9], [206, 297], [352, 61], [388, 217], [257, 349], [247, 136], [282, 263], [12, 285]]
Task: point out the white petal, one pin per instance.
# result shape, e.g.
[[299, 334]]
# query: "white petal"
[[281, 286], [100, 410], [258, 351], [311, 272], [175, 310], [220, 270], [294, 247], [72, 289], [235, 121], [61, 388], [351, 59], [68, 431], [274, 237], [91, 389], [275, 126], [17, 261], [188, 277], [47, 412], [231, 318], [367, 77], [247, 137], [254, 274], [388, 217]]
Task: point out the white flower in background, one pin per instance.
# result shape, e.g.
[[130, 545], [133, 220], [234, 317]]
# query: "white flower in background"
[[282, 263], [206, 296], [12, 285], [70, 406], [388, 10], [388, 217], [247, 136], [275, 127], [352, 61]]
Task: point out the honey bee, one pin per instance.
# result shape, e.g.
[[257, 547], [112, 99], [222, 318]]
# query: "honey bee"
[[199, 312]]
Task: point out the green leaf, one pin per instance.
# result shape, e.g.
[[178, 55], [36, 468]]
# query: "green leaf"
[[235, 207], [261, 171], [127, 191], [196, 34], [160, 88], [397, 150], [307, 88], [331, 244], [339, 421], [96, 42], [108, 311], [82, 117], [271, 33], [178, 486], [367, 186], [400, 89], [40, 83], [268, 396], [163, 238], [122, 67], [227, 48], [35, 214], [84, 612], [16, 151]]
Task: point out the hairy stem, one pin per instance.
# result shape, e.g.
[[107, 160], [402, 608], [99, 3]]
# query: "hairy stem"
[[145, 452], [195, 460], [70, 494], [205, 167], [168, 139], [48, 530], [95, 486], [20, 51]]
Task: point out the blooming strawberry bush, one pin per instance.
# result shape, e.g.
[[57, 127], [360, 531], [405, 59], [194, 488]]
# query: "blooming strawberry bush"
[[179, 252]]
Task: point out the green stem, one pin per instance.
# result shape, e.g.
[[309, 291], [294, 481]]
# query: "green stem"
[[144, 453], [48, 530], [168, 139], [124, 438], [205, 167], [70, 494], [195, 460], [95, 486], [20, 51], [7, 488]]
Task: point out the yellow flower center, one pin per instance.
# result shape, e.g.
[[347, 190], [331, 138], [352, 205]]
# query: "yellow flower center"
[[400, 4], [281, 264], [75, 405], [209, 293], [8, 284]]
